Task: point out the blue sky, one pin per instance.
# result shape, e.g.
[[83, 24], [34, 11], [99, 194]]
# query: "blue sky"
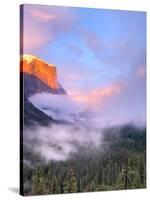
[[93, 49]]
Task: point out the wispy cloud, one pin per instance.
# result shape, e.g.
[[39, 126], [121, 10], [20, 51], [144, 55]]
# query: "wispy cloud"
[[117, 102], [119, 53], [42, 16], [33, 37], [141, 71], [43, 25], [93, 41], [99, 95]]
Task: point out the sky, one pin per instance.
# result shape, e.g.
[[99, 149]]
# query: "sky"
[[100, 54]]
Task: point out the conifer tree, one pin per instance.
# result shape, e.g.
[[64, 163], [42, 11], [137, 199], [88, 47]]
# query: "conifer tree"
[[39, 183], [54, 185], [70, 182]]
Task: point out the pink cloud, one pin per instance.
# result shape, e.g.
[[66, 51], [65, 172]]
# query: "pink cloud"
[[99, 95], [141, 72], [42, 16], [44, 24], [34, 37]]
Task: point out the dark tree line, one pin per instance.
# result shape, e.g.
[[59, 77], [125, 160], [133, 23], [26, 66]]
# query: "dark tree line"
[[119, 163]]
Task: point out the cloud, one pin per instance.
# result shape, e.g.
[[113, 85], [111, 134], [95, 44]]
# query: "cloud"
[[33, 37], [59, 142], [41, 16], [141, 71], [43, 25], [124, 52], [129, 105], [125, 55], [60, 107], [77, 76], [119, 102], [69, 107], [99, 95], [93, 41], [65, 141], [76, 102], [122, 103]]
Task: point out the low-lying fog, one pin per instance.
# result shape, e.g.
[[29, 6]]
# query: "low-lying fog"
[[57, 142], [105, 112], [115, 105]]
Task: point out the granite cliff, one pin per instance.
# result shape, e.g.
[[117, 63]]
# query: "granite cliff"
[[39, 76]]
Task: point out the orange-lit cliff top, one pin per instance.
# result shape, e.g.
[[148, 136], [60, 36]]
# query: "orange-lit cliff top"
[[37, 67]]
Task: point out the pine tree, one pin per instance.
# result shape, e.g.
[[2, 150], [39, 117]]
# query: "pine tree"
[[142, 171], [54, 185], [70, 182], [39, 183], [122, 182], [49, 183]]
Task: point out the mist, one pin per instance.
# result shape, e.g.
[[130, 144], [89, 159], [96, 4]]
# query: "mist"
[[121, 104], [59, 142], [59, 107]]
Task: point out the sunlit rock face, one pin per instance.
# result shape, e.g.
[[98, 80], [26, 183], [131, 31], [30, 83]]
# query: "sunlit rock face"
[[39, 76]]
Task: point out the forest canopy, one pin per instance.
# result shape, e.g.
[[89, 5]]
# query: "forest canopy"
[[118, 163]]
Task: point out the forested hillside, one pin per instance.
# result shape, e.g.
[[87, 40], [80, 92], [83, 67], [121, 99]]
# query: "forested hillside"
[[118, 163]]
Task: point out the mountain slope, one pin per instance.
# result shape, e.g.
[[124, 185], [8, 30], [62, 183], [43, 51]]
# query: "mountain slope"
[[32, 115]]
